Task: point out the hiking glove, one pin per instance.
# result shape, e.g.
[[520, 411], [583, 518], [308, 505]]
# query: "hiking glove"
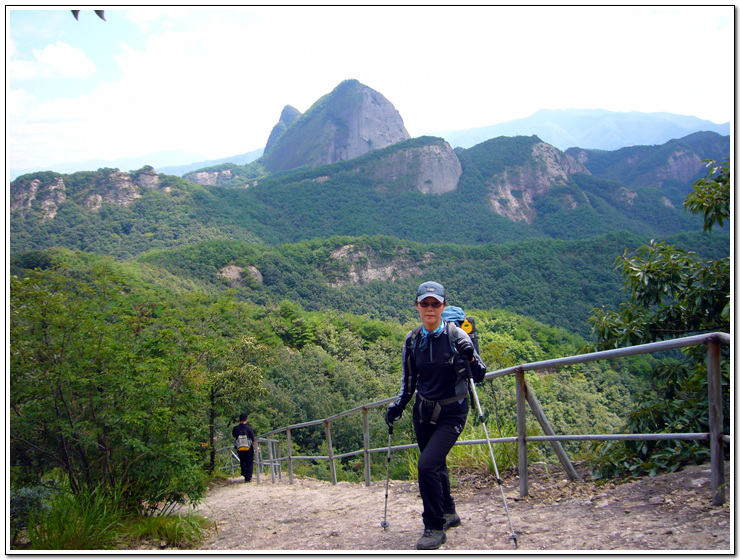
[[478, 372], [393, 413], [462, 367], [466, 350]]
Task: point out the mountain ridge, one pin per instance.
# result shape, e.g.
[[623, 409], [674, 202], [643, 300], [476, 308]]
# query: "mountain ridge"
[[381, 192], [456, 138], [597, 129]]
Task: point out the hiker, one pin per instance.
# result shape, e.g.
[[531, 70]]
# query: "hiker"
[[437, 359], [244, 443]]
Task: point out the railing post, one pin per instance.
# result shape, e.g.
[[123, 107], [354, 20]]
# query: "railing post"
[[332, 466], [271, 459], [539, 413], [277, 460], [366, 444], [716, 420], [289, 443], [258, 453], [521, 432]]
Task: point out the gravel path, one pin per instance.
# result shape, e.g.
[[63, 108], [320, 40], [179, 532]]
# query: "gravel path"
[[668, 512]]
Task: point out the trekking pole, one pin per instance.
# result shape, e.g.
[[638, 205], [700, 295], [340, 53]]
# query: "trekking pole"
[[384, 523], [493, 458]]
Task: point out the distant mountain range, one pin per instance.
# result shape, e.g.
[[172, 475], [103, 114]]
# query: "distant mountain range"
[[594, 129], [583, 128]]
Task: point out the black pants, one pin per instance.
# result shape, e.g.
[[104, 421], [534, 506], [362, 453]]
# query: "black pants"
[[246, 460], [435, 442]]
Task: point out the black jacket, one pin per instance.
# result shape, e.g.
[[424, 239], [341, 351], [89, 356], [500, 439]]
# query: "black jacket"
[[430, 371]]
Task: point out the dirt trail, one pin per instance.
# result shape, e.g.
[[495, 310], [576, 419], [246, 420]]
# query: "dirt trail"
[[668, 512]]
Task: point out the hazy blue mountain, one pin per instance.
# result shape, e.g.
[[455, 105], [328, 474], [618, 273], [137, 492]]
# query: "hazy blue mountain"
[[241, 159], [157, 160], [590, 128]]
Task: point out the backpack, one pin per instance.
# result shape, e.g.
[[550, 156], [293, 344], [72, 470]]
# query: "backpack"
[[243, 443], [457, 316]]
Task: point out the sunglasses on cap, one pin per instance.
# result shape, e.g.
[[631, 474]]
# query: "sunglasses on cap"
[[435, 304]]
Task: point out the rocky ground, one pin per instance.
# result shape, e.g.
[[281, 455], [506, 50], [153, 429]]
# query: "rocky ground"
[[669, 512]]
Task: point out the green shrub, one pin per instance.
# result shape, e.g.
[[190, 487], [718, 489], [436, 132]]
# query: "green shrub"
[[25, 502], [88, 520]]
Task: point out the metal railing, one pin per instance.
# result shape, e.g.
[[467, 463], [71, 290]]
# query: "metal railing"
[[524, 394]]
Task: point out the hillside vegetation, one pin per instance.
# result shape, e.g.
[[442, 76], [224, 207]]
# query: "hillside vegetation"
[[340, 199], [147, 311]]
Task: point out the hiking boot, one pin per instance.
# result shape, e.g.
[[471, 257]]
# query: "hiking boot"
[[451, 520], [431, 539]]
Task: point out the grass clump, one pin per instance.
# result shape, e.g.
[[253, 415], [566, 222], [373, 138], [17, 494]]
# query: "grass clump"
[[181, 531], [98, 519]]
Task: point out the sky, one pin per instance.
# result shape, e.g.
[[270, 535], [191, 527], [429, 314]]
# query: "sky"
[[213, 81]]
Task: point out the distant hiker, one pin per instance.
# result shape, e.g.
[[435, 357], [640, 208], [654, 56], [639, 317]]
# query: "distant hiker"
[[244, 444], [437, 359]]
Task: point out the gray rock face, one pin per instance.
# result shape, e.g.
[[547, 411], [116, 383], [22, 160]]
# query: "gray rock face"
[[512, 192], [432, 169], [210, 178], [366, 265], [46, 193], [348, 122], [370, 124]]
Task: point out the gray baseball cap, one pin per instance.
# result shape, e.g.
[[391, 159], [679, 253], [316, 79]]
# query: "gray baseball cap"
[[431, 289]]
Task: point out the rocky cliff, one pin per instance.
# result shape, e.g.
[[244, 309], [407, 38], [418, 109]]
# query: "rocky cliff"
[[43, 193], [429, 165], [360, 264], [512, 191], [350, 121]]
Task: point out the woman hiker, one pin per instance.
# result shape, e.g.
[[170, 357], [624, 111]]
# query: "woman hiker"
[[437, 359]]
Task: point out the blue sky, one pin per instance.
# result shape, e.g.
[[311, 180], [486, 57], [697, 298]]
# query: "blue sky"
[[213, 81]]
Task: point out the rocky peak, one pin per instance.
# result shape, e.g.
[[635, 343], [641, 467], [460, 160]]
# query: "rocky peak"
[[350, 121], [287, 117]]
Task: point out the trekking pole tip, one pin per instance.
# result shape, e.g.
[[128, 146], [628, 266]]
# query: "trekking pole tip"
[[384, 524]]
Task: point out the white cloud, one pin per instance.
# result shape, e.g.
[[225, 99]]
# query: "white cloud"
[[61, 60], [214, 81], [53, 61]]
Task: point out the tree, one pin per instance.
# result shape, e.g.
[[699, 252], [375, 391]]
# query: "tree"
[[233, 376], [672, 292], [103, 387]]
